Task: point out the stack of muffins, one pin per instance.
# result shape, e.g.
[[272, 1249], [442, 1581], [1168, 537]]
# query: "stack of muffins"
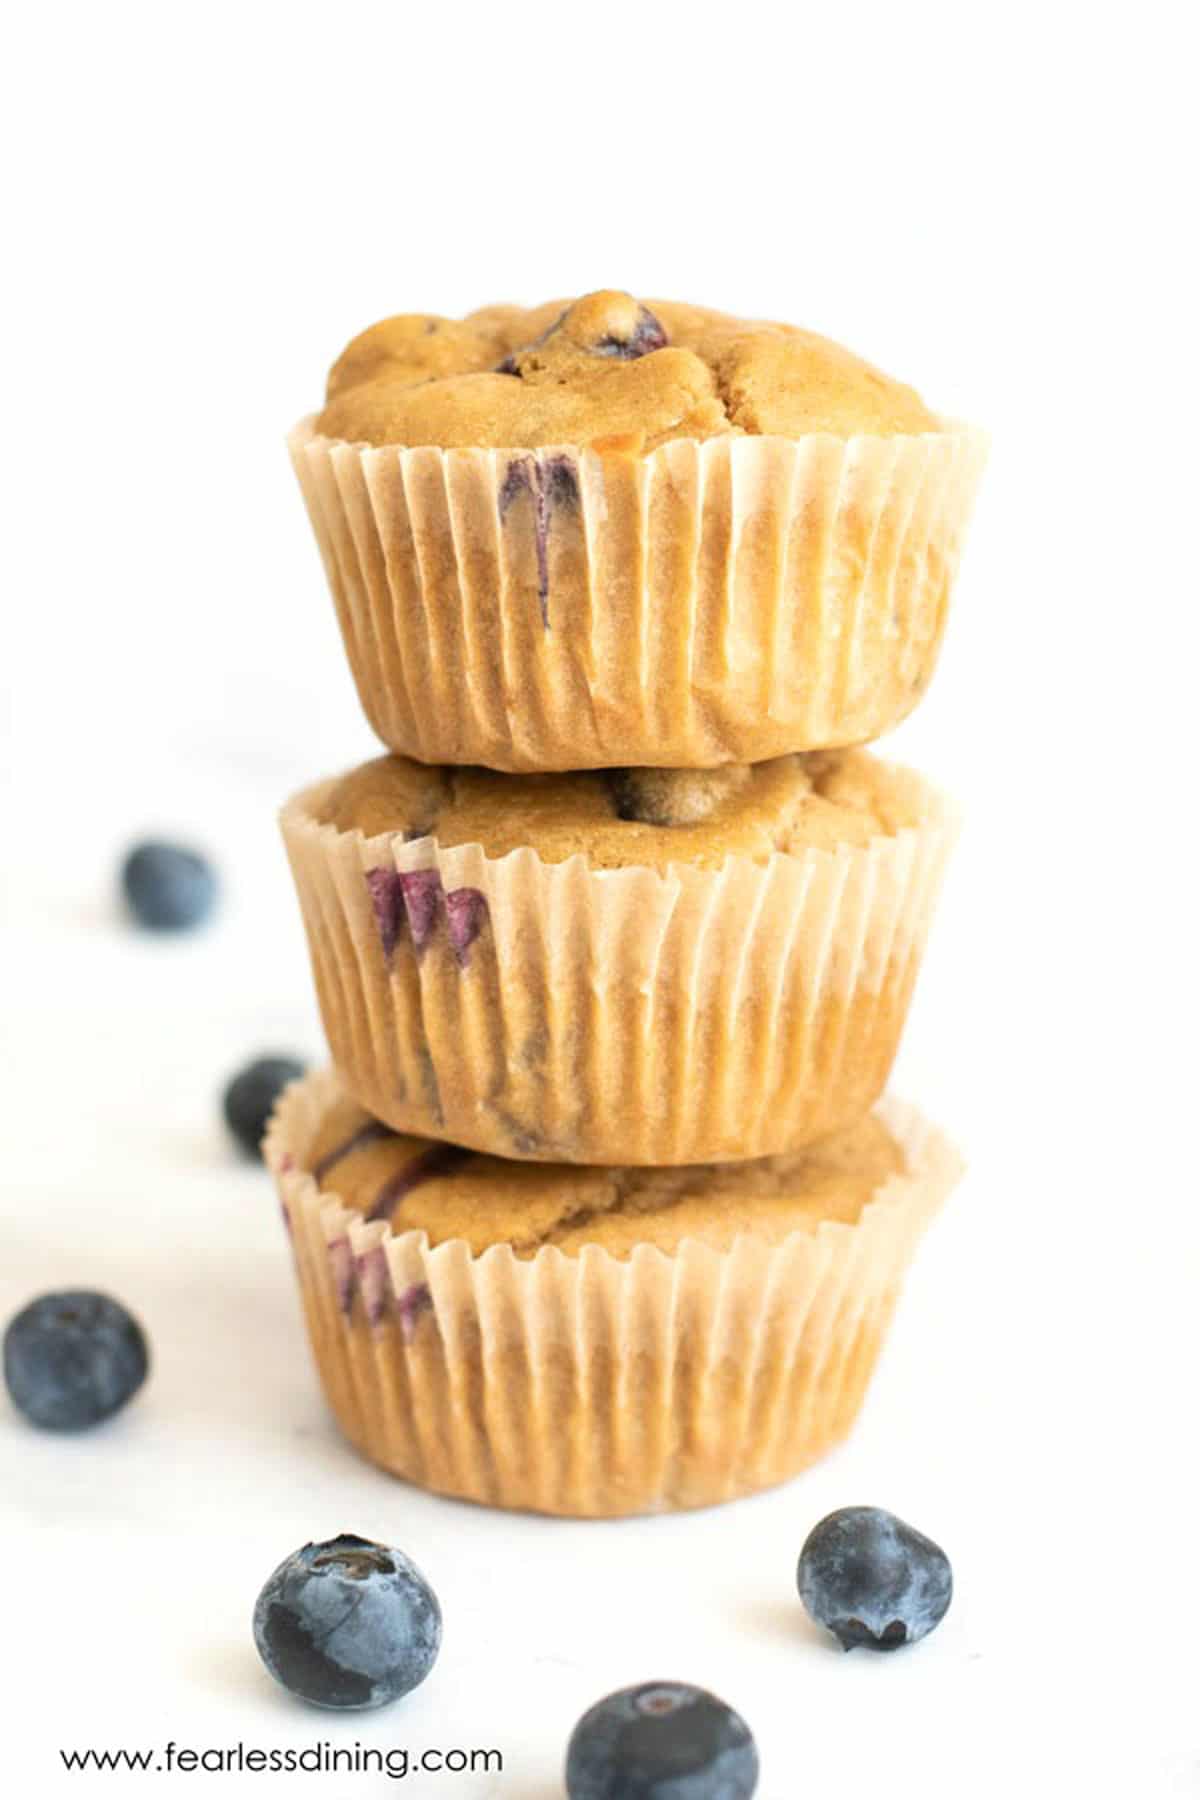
[[599, 1211]]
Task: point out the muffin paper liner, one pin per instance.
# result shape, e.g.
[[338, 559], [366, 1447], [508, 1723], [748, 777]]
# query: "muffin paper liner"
[[719, 601], [559, 1013], [590, 1385]]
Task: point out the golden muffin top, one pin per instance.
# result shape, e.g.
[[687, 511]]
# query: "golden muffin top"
[[618, 818], [605, 371], [448, 1192]]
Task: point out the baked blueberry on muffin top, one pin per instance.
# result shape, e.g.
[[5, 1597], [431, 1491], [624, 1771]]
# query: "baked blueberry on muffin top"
[[605, 369]]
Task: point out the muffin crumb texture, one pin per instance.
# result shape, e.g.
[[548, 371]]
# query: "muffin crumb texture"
[[607, 372]]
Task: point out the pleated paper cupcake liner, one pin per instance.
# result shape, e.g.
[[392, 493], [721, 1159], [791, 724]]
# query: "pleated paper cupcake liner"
[[720, 601], [564, 1014], [591, 1385]]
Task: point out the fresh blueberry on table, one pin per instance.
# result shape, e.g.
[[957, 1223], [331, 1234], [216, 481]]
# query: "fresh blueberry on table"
[[250, 1098], [73, 1359], [872, 1580], [348, 1624], [167, 887], [662, 1740]]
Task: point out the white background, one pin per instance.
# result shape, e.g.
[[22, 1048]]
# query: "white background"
[[997, 204]]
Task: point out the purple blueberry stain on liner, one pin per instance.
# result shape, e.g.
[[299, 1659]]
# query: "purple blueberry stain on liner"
[[400, 898], [560, 478], [374, 1283], [519, 478], [526, 475], [549, 482], [439, 1159], [341, 1262], [387, 902], [422, 890], [410, 1305], [466, 914]]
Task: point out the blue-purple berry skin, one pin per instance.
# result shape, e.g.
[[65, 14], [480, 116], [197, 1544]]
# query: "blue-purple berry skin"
[[251, 1096], [647, 335], [168, 887], [348, 1624], [662, 1740], [872, 1580], [73, 1359]]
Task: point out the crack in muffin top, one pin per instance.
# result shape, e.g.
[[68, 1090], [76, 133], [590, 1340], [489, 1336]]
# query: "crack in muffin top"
[[450, 1193], [621, 818], [606, 371]]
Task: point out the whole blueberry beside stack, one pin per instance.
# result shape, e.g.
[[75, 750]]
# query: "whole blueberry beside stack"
[[252, 1095], [662, 1740], [168, 887], [348, 1624], [625, 586], [872, 1580], [73, 1359]]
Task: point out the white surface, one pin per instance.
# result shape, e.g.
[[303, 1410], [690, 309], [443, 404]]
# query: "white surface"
[[204, 207]]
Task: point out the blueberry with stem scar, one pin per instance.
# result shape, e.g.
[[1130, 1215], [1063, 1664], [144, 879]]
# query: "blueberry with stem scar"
[[662, 1740], [872, 1580], [348, 1624]]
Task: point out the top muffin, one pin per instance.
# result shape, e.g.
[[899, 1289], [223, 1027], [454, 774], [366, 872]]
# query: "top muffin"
[[604, 370], [611, 532]]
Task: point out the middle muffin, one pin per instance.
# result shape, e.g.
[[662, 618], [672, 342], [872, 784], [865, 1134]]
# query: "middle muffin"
[[630, 966]]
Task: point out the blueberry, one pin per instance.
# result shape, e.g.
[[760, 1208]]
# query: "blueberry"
[[607, 323], [628, 801], [73, 1359], [251, 1095], [661, 1741], [348, 1624], [873, 1580], [167, 887], [646, 334], [673, 796]]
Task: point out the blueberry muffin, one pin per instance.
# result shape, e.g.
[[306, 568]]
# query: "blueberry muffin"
[[633, 966], [596, 1341], [611, 531], [605, 366]]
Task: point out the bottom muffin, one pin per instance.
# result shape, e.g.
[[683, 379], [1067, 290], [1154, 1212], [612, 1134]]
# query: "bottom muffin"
[[596, 1341]]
